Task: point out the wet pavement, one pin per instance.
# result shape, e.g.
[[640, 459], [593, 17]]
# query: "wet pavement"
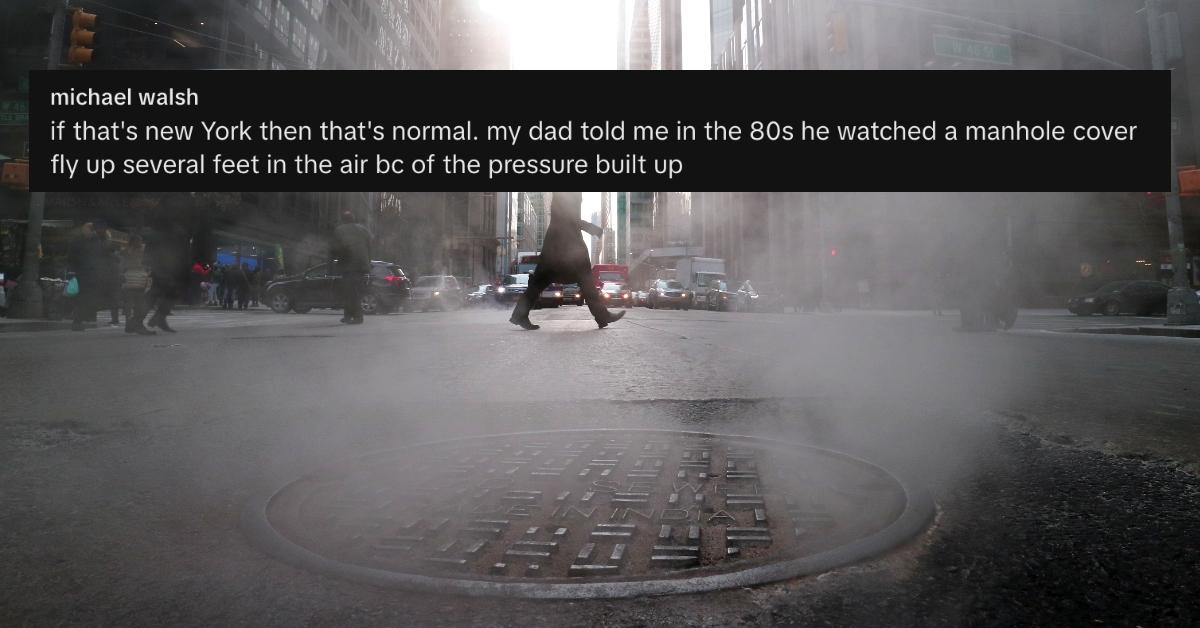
[[1063, 465]]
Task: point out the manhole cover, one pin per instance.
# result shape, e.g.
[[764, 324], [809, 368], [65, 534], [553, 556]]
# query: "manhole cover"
[[588, 513]]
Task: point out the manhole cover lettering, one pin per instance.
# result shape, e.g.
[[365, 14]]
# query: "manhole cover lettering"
[[541, 512]]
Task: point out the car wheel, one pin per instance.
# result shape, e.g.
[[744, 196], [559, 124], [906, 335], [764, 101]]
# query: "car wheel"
[[370, 304], [280, 302], [1112, 308]]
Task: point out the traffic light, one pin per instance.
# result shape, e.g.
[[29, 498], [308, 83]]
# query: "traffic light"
[[1189, 181], [83, 37], [15, 175], [833, 252], [837, 32]]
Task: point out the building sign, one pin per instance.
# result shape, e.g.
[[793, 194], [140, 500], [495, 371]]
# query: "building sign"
[[972, 49], [14, 112]]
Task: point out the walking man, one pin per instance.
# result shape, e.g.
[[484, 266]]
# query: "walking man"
[[86, 258], [564, 259], [352, 247]]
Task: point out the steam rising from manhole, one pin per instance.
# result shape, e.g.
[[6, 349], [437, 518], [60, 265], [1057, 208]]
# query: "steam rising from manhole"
[[588, 513]]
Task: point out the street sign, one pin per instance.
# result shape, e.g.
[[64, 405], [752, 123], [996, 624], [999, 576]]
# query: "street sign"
[[14, 112], [972, 49]]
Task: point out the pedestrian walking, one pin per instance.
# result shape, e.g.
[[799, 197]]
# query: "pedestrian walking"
[[564, 259], [241, 285], [352, 247], [85, 259], [166, 255], [134, 281]]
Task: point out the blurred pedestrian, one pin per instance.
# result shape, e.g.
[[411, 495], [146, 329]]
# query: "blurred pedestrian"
[[166, 254], [352, 248], [241, 285], [564, 259], [110, 275], [85, 258], [134, 281]]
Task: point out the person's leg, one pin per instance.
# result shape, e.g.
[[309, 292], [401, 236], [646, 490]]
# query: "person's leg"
[[538, 282], [594, 300], [82, 304], [356, 286]]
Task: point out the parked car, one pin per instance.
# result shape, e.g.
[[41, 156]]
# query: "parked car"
[[572, 295], [616, 294], [482, 296], [317, 287], [761, 296], [442, 292], [511, 288], [669, 293], [641, 297], [1140, 297], [719, 298]]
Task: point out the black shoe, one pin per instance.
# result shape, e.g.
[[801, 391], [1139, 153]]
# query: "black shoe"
[[523, 323], [142, 331], [345, 319], [612, 318]]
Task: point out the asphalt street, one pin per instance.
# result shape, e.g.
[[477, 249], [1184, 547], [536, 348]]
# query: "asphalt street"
[[1064, 465]]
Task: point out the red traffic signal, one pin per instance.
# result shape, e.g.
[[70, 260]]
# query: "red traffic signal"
[[833, 252], [82, 37]]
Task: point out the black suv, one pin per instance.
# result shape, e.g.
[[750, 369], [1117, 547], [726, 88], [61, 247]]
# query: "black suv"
[[387, 289]]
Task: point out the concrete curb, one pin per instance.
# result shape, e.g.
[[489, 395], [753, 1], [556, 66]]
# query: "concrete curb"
[[916, 516]]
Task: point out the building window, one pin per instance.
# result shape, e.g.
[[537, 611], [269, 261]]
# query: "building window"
[[317, 8], [299, 37], [283, 18], [261, 11]]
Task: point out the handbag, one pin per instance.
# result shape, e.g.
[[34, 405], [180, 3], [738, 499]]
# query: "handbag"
[[72, 288]]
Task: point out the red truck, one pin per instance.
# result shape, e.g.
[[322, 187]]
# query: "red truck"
[[610, 273]]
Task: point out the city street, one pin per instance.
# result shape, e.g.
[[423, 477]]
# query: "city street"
[[1064, 466]]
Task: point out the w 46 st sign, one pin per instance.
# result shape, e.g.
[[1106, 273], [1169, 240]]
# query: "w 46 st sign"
[[972, 49]]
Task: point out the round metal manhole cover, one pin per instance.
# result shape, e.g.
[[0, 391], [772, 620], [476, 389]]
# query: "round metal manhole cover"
[[588, 513]]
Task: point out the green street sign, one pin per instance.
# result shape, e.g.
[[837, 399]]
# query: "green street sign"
[[14, 112], [972, 50]]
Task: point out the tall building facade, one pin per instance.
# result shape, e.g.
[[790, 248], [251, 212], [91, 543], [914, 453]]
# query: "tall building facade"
[[220, 34], [472, 39], [889, 246]]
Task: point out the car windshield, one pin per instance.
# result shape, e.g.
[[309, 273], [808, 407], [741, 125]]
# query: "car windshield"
[[612, 287], [516, 280], [610, 275], [429, 282], [672, 285]]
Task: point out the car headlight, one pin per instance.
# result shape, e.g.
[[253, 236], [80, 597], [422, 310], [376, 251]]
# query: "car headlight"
[[557, 294], [499, 290], [436, 293], [683, 294], [607, 295], [1089, 300]]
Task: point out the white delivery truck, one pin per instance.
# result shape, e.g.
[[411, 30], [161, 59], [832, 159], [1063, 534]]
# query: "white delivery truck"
[[696, 273]]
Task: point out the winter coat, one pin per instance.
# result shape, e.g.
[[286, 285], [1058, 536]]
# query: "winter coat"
[[133, 274], [352, 248], [564, 254]]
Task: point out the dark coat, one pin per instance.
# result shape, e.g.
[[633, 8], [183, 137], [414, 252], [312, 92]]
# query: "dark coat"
[[564, 254], [352, 248], [87, 257]]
